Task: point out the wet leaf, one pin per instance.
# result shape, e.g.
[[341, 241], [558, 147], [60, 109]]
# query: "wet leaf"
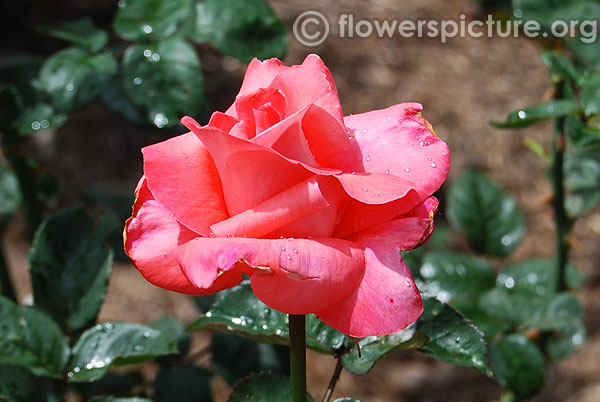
[[485, 213], [10, 194], [532, 114], [116, 344], [564, 343], [263, 387], [82, 33], [151, 20]]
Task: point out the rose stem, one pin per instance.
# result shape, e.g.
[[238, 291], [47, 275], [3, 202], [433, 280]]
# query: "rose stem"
[[298, 357], [561, 219], [6, 287], [334, 379]]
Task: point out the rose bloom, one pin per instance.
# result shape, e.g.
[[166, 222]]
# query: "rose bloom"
[[313, 206]]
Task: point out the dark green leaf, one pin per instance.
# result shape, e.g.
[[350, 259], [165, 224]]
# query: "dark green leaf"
[[518, 364], [533, 114], [457, 279], [10, 194], [30, 339], [347, 399], [82, 33], [590, 94], [490, 325], [174, 327], [561, 68], [165, 79], [548, 11], [582, 180], [580, 134], [263, 387], [374, 348], [565, 342], [183, 384], [536, 277], [19, 385], [116, 344], [585, 52], [241, 29], [235, 357], [116, 99], [116, 399], [41, 116], [205, 302], [145, 20], [486, 214], [239, 311], [74, 78], [451, 337], [70, 265]]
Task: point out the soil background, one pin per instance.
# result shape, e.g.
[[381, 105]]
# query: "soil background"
[[462, 84]]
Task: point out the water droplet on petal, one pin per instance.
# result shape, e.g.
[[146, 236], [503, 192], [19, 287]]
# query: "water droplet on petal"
[[406, 283], [295, 251], [432, 164], [364, 130], [368, 158], [288, 257], [366, 190], [421, 143], [387, 171], [407, 170]]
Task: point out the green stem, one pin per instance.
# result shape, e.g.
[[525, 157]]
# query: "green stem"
[[334, 379], [6, 287], [561, 220], [298, 357], [507, 396], [31, 206]]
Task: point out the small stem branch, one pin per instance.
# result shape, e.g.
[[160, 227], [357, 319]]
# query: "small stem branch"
[[298, 357], [561, 219], [6, 287], [334, 379], [32, 209]]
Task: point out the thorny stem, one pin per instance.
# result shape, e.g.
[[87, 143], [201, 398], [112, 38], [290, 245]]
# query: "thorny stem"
[[334, 379], [561, 219], [298, 357]]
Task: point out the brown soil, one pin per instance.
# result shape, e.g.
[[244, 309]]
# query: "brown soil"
[[462, 84]]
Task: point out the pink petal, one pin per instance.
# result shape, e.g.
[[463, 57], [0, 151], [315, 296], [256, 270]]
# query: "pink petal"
[[400, 142], [295, 276], [286, 207], [385, 301], [151, 235], [374, 188], [183, 178], [250, 173], [247, 104], [222, 121]]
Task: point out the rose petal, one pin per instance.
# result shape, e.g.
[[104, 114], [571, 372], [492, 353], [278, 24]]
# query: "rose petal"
[[183, 178], [374, 188], [222, 121], [288, 206], [151, 235], [400, 142], [385, 301], [294, 276], [250, 173]]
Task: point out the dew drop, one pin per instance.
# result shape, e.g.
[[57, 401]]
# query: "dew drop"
[[366, 190], [160, 120], [89, 366], [208, 314], [368, 158], [518, 13], [70, 374], [148, 29], [76, 370], [69, 87], [147, 333], [364, 130], [350, 137], [509, 283], [457, 339], [278, 332], [506, 240], [108, 325], [45, 123], [288, 257], [236, 321], [550, 109], [433, 164], [122, 3], [522, 114], [407, 169], [155, 57], [137, 80], [295, 251], [387, 171], [35, 125], [421, 143], [138, 348], [147, 52], [99, 327], [265, 326], [230, 235]]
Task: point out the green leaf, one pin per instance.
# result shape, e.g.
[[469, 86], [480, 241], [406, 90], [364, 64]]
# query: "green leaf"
[[374, 348], [174, 327], [72, 77], [70, 265], [347, 399], [533, 114], [10, 194], [548, 11], [116, 399], [567, 341], [263, 387], [518, 364], [580, 134], [183, 384], [116, 99], [238, 311], [585, 52], [590, 94], [30, 339], [243, 30], [451, 337], [536, 277], [235, 357], [561, 68], [41, 116], [582, 180], [20, 385], [82, 33], [457, 279], [485, 213], [151, 20], [116, 344], [164, 79]]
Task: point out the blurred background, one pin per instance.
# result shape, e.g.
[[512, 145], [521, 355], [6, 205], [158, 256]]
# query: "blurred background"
[[463, 85]]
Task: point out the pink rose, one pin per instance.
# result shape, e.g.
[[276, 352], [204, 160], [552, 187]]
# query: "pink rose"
[[313, 206]]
